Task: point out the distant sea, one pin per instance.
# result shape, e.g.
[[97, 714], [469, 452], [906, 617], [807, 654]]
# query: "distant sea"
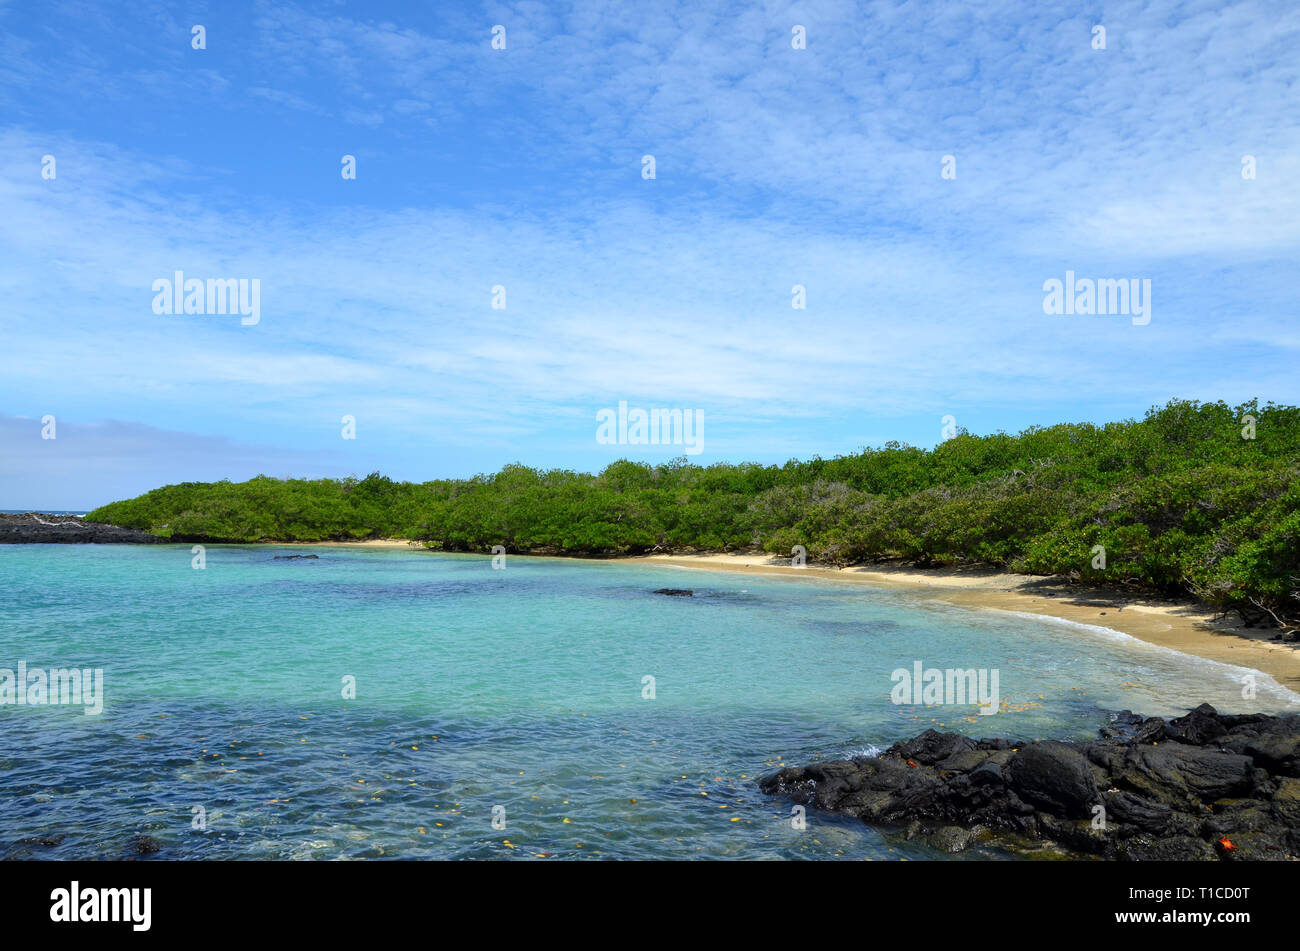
[[517, 695], [42, 511]]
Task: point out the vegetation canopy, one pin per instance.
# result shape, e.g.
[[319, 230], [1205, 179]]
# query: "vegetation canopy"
[[1187, 499]]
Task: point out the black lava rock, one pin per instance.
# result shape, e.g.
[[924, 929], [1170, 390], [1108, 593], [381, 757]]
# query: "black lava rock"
[[1200, 787], [39, 528]]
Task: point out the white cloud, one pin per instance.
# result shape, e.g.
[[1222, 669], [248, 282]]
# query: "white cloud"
[[776, 167]]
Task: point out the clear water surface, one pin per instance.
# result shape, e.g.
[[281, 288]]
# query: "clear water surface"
[[478, 688]]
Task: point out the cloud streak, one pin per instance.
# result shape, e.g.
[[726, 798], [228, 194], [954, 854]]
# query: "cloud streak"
[[776, 167]]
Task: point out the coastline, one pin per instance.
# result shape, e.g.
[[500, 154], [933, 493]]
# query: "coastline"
[[1181, 625], [1187, 627]]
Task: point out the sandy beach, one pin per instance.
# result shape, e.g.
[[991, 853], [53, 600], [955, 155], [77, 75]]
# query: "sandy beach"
[[1182, 626]]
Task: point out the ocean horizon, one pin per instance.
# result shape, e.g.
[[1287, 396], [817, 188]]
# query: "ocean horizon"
[[48, 511]]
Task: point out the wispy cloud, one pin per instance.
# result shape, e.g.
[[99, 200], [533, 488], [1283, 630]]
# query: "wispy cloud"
[[522, 168]]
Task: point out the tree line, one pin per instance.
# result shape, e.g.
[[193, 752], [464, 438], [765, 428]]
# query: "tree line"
[[1194, 497]]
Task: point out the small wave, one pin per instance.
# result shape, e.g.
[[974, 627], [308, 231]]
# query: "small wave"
[[1232, 671], [870, 751]]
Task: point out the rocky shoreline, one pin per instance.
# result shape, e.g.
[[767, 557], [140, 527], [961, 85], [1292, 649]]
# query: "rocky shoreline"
[[1200, 787], [40, 528]]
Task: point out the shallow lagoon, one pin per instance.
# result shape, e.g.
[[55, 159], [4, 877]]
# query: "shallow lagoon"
[[521, 688]]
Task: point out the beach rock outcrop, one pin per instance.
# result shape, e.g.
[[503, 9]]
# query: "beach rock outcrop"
[[1053, 776], [38, 528], [1203, 786]]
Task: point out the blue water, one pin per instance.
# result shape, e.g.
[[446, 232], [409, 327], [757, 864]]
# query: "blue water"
[[478, 688]]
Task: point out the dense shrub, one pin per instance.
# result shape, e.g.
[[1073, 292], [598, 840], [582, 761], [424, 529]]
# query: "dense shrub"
[[1180, 501]]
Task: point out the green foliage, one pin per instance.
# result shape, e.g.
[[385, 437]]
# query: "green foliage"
[[1179, 500]]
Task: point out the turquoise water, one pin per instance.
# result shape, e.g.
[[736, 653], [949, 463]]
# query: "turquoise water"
[[522, 689]]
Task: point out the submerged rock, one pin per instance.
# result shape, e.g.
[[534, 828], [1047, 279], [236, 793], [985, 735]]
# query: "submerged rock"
[[143, 845], [1200, 787], [676, 592], [291, 557]]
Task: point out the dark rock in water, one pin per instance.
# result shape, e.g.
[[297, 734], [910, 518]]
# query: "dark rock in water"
[[947, 838], [1123, 725], [932, 746], [44, 841], [31, 847], [291, 557], [39, 528], [143, 845], [1200, 787], [676, 592], [1198, 727]]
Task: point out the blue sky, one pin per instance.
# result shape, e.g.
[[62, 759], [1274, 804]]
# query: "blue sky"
[[522, 168]]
